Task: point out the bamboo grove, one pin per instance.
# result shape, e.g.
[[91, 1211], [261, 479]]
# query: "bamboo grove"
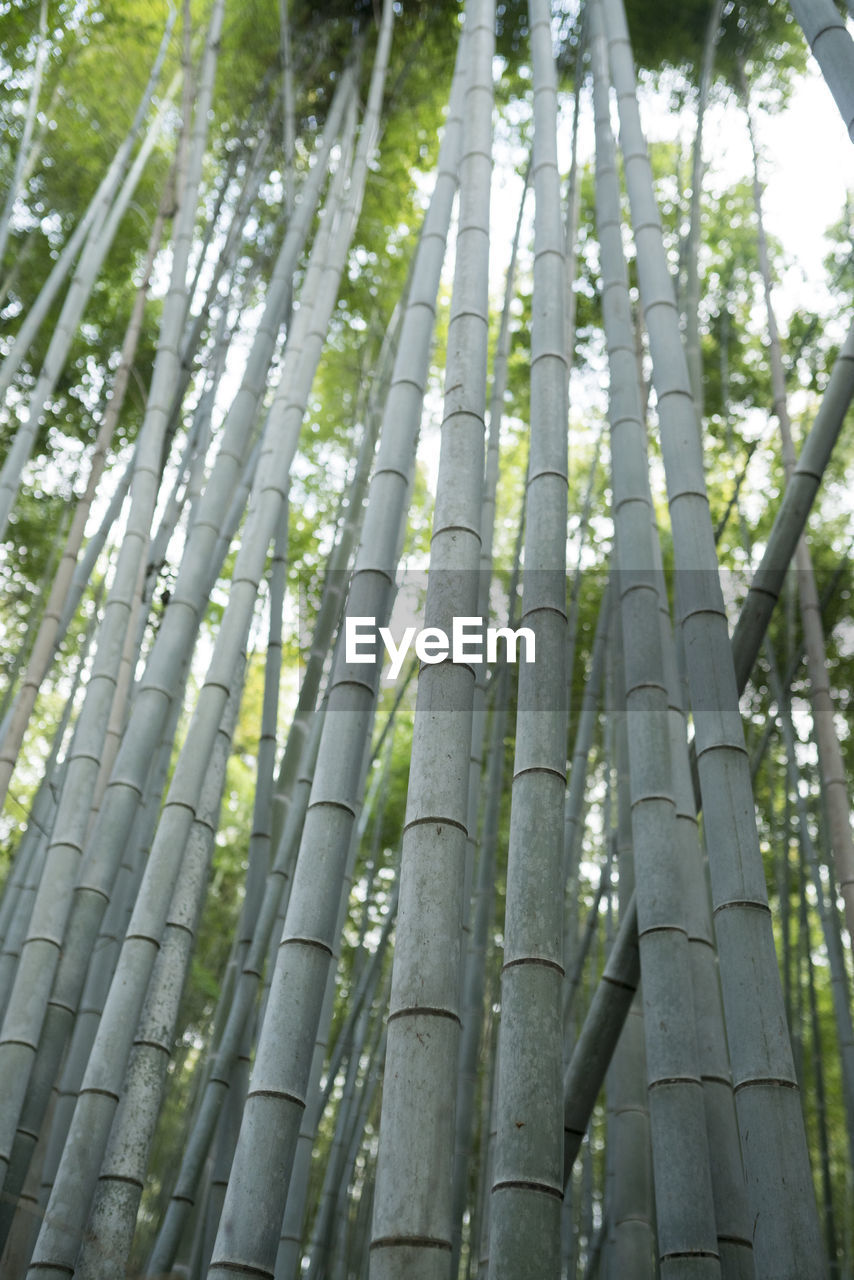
[[522, 968]]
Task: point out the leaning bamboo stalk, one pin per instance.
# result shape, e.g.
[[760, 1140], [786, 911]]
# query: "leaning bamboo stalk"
[[283, 1061], [830, 753], [680, 1143], [93, 1112], [109, 1230], [40, 958], [162, 676], [95, 990], [801, 488], [50, 630], [122, 693], [226, 1045], [25, 872], [416, 1128], [79, 291], [787, 1238], [294, 1215], [334, 585], [835, 956], [599, 1034], [257, 924], [24, 146], [92, 218], [205, 545], [831, 42]]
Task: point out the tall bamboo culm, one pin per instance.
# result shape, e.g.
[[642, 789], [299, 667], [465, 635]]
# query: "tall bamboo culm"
[[525, 1207], [413, 1211], [787, 1239]]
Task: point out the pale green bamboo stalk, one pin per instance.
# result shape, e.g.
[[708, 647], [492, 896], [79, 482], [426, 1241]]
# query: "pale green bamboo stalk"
[[206, 543], [25, 872], [836, 961], [334, 586], [632, 1248], [787, 1239], [820, 1090], [413, 1208], [51, 629], [766, 583], [732, 1219], [226, 1046], [23, 153], [288, 106], [368, 1087], [830, 41], [830, 753], [137, 618], [100, 973], [293, 1217], [107, 1240], [691, 301], [40, 957], [93, 1112], [88, 227], [102, 233], [301, 966], [527, 1188], [680, 1145], [96, 878], [319, 1246], [473, 948]]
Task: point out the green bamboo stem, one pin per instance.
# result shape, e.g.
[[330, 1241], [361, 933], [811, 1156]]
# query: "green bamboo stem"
[[42, 952], [107, 1240], [525, 1208], [830, 41], [680, 1144], [787, 1238], [413, 1208]]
